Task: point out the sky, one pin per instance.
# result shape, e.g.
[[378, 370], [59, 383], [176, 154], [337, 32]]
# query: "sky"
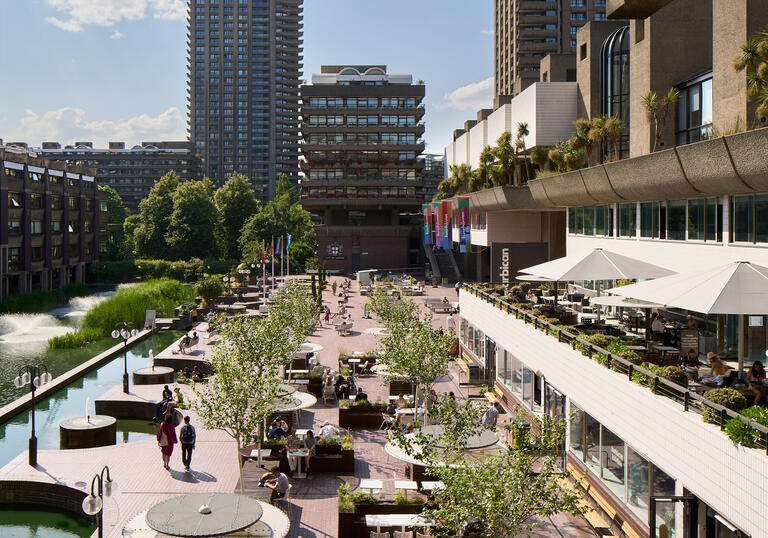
[[115, 70]]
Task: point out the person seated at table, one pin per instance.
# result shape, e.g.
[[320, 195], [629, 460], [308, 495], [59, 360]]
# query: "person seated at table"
[[391, 409], [445, 301], [691, 323], [531, 297], [401, 402], [431, 504], [756, 378], [361, 395], [275, 431], [691, 362], [409, 428], [718, 370], [657, 326], [292, 442], [197, 374], [342, 387], [328, 430]]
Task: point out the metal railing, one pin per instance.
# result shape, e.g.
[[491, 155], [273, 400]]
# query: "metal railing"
[[661, 386]]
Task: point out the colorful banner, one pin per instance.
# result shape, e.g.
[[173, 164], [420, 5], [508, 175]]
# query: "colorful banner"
[[447, 241], [436, 224], [426, 210], [465, 244]]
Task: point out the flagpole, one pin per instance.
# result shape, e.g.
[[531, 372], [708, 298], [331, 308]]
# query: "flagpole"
[[263, 274], [288, 262], [282, 249], [272, 255]]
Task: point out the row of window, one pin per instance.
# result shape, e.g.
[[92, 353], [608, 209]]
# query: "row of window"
[[361, 139], [15, 199], [36, 253], [394, 121], [362, 173], [36, 226], [699, 219], [53, 180], [362, 102], [359, 192], [364, 155]]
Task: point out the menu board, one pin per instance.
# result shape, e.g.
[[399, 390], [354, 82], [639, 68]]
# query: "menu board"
[[689, 339]]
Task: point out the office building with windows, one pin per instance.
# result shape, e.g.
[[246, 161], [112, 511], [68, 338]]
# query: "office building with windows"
[[525, 31], [362, 142], [647, 461], [244, 63], [130, 171], [55, 222], [432, 173]]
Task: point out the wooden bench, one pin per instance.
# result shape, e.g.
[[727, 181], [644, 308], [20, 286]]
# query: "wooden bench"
[[463, 367], [494, 397]]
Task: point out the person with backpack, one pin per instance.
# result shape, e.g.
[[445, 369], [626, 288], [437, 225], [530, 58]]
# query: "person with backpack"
[[187, 438]]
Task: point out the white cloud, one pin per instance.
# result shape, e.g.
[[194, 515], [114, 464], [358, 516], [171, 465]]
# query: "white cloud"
[[470, 97], [69, 124], [486, 32], [81, 13], [117, 35]]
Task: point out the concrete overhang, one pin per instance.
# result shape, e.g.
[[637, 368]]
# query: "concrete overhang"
[[733, 164], [633, 9], [503, 199]]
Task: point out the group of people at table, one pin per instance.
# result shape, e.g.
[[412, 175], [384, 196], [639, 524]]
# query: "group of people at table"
[[722, 375]]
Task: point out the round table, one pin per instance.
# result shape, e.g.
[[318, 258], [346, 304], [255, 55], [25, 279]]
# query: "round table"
[[310, 347], [180, 516]]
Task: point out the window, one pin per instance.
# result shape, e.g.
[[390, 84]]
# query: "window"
[[36, 227], [55, 202], [74, 203], [87, 226], [56, 226], [702, 219], [73, 226], [14, 227], [612, 471], [649, 219], [37, 254], [14, 258], [676, 220], [56, 251], [750, 219], [576, 427], [627, 220], [694, 110], [614, 83], [14, 199]]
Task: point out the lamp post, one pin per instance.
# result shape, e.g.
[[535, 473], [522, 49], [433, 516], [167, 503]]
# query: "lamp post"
[[245, 272], [93, 504], [228, 279], [35, 376], [125, 331]]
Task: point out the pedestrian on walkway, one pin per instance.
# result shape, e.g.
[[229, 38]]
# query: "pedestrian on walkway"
[[166, 438], [187, 437]]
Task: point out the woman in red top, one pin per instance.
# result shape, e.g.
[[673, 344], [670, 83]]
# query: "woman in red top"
[[166, 438]]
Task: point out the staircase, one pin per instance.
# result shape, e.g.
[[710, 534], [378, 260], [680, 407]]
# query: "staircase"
[[446, 265]]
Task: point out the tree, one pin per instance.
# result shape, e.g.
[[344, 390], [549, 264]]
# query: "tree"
[[485, 171], [505, 157], [117, 215], [240, 397], [235, 203], [501, 491], [155, 217], [753, 58], [614, 127], [193, 221], [209, 289], [580, 138], [130, 224], [596, 133], [522, 132], [657, 111]]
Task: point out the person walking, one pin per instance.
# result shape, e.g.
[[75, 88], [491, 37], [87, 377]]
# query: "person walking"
[[166, 438], [187, 437]]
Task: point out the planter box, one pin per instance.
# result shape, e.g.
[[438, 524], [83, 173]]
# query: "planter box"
[[353, 525], [368, 416]]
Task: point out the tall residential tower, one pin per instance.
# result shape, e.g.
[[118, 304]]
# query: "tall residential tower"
[[527, 30], [244, 63]]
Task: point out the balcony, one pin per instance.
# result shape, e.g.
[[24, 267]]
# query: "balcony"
[[654, 416]]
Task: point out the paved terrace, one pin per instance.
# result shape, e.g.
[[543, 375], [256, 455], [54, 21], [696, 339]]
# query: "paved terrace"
[[312, 508]]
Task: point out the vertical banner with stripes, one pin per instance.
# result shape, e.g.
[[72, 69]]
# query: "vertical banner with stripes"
[[464, 229]]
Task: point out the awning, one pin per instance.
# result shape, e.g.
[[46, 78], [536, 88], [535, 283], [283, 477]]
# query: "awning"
[[597, 264]]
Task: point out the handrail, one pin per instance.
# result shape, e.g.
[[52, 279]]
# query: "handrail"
[[685, 394]]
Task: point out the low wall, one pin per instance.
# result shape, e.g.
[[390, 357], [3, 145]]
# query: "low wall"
[[43, 495], [24, 402]]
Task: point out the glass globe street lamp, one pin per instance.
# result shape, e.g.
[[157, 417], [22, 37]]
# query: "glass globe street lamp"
[[93, 504], [34, 376], [125, 331], [228, 280]]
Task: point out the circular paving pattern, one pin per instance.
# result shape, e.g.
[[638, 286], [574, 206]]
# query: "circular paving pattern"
[[181, 516]]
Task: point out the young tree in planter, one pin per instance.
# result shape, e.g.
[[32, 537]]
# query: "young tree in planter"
[[394, 314], [296, 310], [209, 289], [240, 396], [500, 494]]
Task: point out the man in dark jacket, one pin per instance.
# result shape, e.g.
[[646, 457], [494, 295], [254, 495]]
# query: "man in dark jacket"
[[187, 438]]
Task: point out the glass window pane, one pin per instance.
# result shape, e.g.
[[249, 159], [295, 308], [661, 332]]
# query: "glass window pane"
[[576, 427], [572, 220], [706, 102], [696, 213], [516, 375], [528, 387], [538, 401], [637, 484], [589, 220], [676, 220], [743, 219], [613, 462], [592, 439], [761, 218], [664, 485], [711, 220], [600, 216]]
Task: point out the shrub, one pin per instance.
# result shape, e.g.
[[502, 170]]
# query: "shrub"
[[596, 339], [727, 397], [674, 374], [525, 287], [328, 441], [741, 433], [401, 498], [361, 403], [346, 504], [632, 357], [642, 379], [361, 497], [347, 442], [115, 271], [209, 289]]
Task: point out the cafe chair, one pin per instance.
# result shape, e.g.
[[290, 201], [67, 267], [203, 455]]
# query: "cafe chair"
[[379, 534], [403, 534], [387, 420]]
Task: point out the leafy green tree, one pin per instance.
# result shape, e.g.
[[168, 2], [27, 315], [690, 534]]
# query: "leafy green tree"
[[209, 289], [235, 203], [241, 395], [117, 215], [193, 221], [522, 132], [753, 57], [657, 111], [283, 215], [130, 224], [155, 218], [505, 158]]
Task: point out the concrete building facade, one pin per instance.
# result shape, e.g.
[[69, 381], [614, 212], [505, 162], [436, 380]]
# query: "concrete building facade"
[[130, 171], [244, 64], [55, 222], [362, 143]]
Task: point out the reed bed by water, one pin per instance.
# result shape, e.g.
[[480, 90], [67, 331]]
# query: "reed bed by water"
[[128, 304], [38, 301]]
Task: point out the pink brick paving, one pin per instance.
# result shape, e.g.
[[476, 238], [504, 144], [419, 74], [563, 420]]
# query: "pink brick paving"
[[312, 508]]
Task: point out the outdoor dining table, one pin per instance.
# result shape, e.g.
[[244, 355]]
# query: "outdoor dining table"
[[371, 484], [299, 454], [636, 348], [182, 515], [406, 485], [665, 350], [429, 485], [354, 363], [396, 520]]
